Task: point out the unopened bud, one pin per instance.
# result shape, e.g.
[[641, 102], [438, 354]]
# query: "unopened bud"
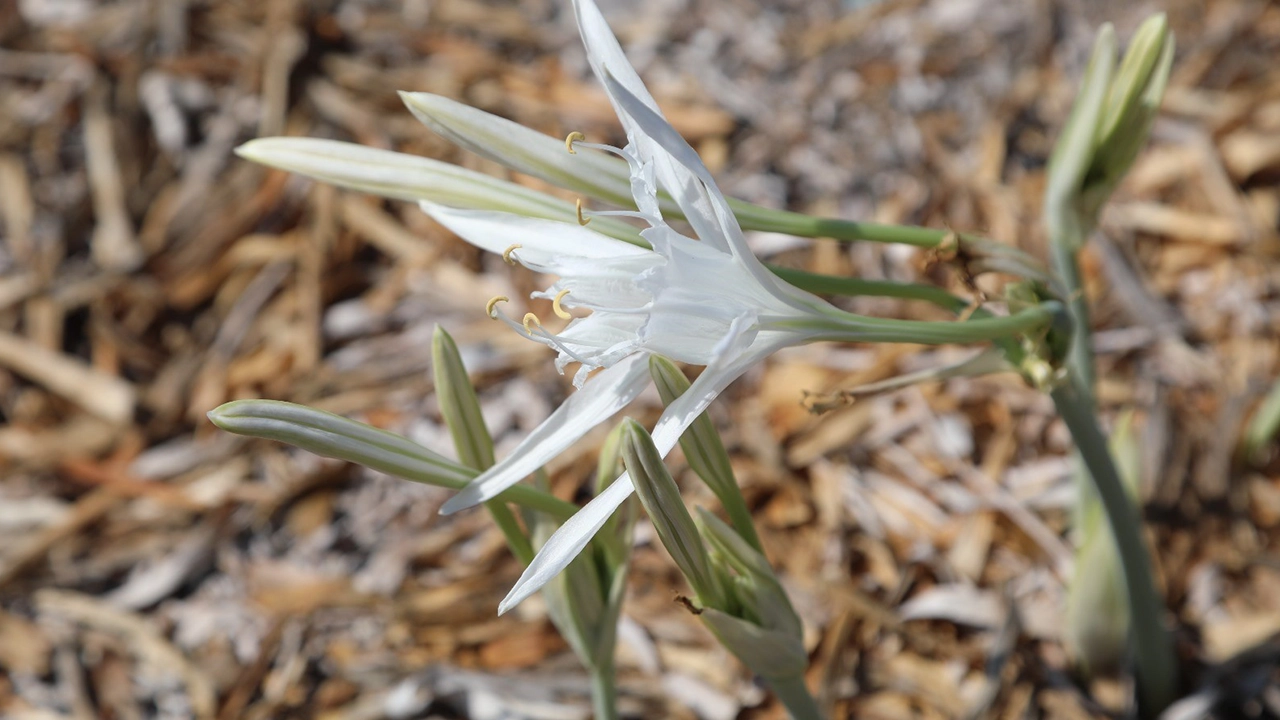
[[660, 496]]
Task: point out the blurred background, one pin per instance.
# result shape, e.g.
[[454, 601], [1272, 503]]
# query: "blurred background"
[[152, 567]]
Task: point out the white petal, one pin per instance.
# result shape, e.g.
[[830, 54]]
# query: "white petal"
[[397, 175], [601, 396], [603, 51], [522, 149], [574, 535], [569, 540], [612, 68], [716, 218], [713, 380], [544, 242]]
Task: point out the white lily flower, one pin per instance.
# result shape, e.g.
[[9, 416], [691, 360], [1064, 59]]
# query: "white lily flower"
[[707, 301]]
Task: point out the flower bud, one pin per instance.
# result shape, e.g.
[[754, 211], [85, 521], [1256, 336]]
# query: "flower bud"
[[771, 654], [763, 630], [334, 436], [525, 150], [661, 499], [704, 450], [1108, 125], [458, 403], [758, 592]]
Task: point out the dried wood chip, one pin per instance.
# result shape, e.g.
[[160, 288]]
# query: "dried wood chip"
[[110, 397], [156, 654]]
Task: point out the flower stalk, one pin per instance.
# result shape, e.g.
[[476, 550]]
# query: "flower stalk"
[[607, 179], [1097, 615], [1109, 124], [585, 601], [1154, 654]]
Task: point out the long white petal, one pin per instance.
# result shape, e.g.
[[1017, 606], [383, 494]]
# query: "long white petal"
[[546, 240], [601, 396], [603, 51], [567, 542], [662, 134], [409, 177], [521, 148], [398, 175], [608, 61], [574, 535]]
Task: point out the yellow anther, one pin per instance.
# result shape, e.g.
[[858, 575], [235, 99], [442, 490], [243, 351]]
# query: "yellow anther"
[[506, 254], [555, 305], [582, 220], [531, 319], [490, 308], [573, 137]]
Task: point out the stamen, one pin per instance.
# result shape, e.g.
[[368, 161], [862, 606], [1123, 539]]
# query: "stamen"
[[490, 308], [506, 254], [635, 214], [606, 148], [582, 220], [531, 319], [555, 305], [573, 137]]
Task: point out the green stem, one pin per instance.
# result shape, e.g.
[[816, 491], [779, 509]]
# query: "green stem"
[[848, 327], [604, 691], [852, 286], [1153, 646], [1066, 237], [796, 698], [756, 217], [511, 530], [1005, 258]]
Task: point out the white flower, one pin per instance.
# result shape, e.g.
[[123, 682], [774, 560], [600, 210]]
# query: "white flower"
[[707, 301]]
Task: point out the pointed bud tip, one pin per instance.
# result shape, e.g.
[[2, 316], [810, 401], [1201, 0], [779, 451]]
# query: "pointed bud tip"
[[245, 150], [224, 414], [441, 339]]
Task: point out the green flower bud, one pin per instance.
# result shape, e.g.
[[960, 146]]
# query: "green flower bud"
[[334, 436], [661, 499], [704, 450], [1108, 126], [458, 403], [758, 593]]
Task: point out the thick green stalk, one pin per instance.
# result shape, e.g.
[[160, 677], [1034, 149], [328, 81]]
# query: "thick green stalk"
[[1065, 235], [604, 692], [1154, 653], [796, 698]]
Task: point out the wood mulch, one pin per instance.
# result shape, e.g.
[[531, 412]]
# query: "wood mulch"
[[153, 567]]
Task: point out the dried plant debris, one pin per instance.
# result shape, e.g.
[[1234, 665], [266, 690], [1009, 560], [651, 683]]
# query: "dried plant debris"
[[153, 568]]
